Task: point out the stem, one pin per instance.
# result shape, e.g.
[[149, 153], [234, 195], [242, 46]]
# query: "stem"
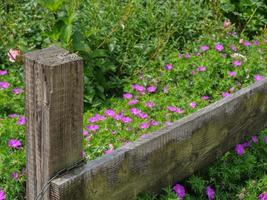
[[249, 20]]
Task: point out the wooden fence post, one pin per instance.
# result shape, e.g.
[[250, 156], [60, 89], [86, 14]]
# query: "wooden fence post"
[[54, 110]]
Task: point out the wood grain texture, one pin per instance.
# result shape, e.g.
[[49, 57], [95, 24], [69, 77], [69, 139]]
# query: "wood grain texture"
[[170, 154], [54, 109]]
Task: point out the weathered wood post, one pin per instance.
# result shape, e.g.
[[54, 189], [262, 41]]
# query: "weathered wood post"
[[54, 108]]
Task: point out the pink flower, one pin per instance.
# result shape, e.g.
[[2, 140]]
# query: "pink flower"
[[17, 91], [201, 68], [12, 54], [2, 195], [110, 113], [187, 55], [13, 115], [127, 96], [133, 102], [262, 196], [144, 125], [168, 67], [193, 104], [110, 150], [179, 190], [219, 47], [237, 63], [175, 109], [258, 77], [233, 48], [14, 143], [151, 89], [239, 149], [4, 85], [256, 42], [226, 94], [96, 118], [227, 24], [142, 115], [149, 104], [85, 133], [135, 111], [15, 176], [154, 123], [92, 127], [254, 139], [265, 139], [21, 121], [193, 72], [231, 74], [210, 193], [126, 120], [204, 48], [246, 43], [138, 88], [3, 72], [205, 97]]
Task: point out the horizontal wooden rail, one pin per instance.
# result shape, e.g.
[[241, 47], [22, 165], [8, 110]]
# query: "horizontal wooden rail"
[[170, 154]]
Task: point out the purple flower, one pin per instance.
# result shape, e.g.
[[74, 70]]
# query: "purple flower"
[[204, 48], [219, 47], [4, 85], [180, 55], [13, 115], [15, 175], [119, 116], [165, 89], [85, 133], [3, 72], [127, 96], [138, 88], [110, 150], [231, 74], [246, 144], [14, 143], [175, 109], [154, 123], [2, 195], [133, 102], [210, 193], [237, 63], [246, 43], [142, 115], [92, 127], [239, 149], [258, 77], [135, 111], [233, 48], [126, 120], [265, 139], [201, 68], [193, 72], [144, 136], [144, 125], [254, 139], [110, 113], [193, 104], [17, 91], [168, 67], [21, 121], [262, 196], [179, 190], [151, 89], [226, 94], [149, 104], [96, 118], [256, 42], [187, 55], [205, 97]]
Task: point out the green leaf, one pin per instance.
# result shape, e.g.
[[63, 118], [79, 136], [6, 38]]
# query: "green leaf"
[[52, 5], [66, 33]]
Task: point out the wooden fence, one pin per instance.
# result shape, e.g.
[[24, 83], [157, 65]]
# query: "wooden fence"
[[54, 109]]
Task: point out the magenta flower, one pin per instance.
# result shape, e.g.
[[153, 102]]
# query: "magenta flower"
[[21, 121], [231, 74], [246, 43], [13, 115], [246, 144], [204, 48], [96, 118], [226, 94], [201, 68], [262, 196], [127, 96], [205, 97], [3, 72], [226, 23], [85, 133], [193, 72], [172, 108], [180, 55], [210, 193], [17, 91], [151, 89], [149, 104], [142, 115], [15, 175], [254, 139], [126, 120], [233, 48], [135, 111], [179, 190], [92, 127], [265, 139], [237, 63], [256, 42], [12, 54], [133, 102], [168, 67], [110, 113], [193, 104], [258, 77], [138, 88], [4, 85], [2, 195], [14, 143], [239, 149], [119, 116], [110, 150], [219, 47], [154, 123], [144, 125], [187, 55]]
